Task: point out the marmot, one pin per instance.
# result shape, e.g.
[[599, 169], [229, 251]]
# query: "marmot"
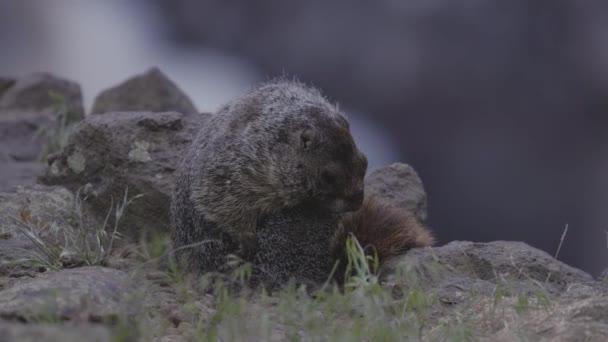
[[280, 146], [303, 243], [306, 152]]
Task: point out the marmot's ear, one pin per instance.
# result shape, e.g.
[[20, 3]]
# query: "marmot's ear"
[[307, 137]]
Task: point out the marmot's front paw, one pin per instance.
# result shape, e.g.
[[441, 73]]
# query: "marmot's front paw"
[[248, 246]]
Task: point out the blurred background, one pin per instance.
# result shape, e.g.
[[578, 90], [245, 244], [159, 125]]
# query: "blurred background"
[[501, 106]]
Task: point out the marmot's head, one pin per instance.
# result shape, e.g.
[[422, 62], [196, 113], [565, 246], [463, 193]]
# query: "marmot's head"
[[315, 157], [328, 167], [337, 165]]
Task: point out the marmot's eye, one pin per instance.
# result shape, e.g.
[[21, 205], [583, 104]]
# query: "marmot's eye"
[[328, 177]]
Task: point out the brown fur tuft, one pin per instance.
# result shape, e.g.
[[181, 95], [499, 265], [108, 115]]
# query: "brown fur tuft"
[[382, 229]]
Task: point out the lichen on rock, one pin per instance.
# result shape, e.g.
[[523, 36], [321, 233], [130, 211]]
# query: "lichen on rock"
[[139, 151]]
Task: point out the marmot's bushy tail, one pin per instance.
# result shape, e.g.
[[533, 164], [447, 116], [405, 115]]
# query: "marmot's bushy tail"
[[382, 229]]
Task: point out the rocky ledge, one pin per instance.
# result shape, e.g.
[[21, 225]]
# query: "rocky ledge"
[[83, 226]]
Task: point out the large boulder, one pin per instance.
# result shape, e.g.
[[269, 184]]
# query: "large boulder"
[[80, 296], [135, 151], [459, 268], [35, 113], [85, 294], [399, 185], [567, 320], [152, 91], [500, 291], [35, 93]]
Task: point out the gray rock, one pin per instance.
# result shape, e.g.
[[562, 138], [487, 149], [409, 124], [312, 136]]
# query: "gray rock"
[[399, 185], [13, 173], [47, 210], [18, 135], [138, 151], [32, 110], [455, 270], [40, 203], [86, 294], [152, 91], [582, 320], [20, 332], [34, 93]]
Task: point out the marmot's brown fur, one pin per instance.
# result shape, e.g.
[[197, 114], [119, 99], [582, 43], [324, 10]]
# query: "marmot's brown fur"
[[382, 230]]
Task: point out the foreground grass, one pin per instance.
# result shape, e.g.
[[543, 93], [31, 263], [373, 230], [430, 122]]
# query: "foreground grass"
[[363, 309], [368, 313]]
